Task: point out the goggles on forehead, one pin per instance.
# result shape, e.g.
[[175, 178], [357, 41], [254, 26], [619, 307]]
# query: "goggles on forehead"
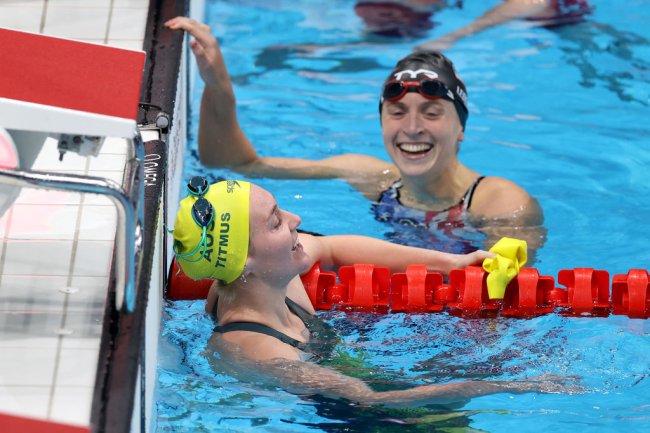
[[202, 214], [395, 90]]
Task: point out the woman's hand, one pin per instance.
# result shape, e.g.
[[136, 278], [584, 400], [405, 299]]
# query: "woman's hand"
[[222, 143], [472, 259], [205, 48], [545, 384]]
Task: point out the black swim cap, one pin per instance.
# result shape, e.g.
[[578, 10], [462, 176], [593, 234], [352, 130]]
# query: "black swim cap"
[[425, 65]]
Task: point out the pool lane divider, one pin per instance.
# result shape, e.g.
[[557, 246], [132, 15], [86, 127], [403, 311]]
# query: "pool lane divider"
[[582, 292]]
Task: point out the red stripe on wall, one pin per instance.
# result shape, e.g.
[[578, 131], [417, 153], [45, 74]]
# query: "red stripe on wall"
[[17, 424], [70, 74]]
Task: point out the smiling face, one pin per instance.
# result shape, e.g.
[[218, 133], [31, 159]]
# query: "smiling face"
[[274, 252], [421, 135]]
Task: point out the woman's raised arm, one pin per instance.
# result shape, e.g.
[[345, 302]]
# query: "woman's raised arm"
[[223, 143]]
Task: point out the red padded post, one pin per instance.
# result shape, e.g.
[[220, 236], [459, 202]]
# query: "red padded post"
[[317, 285], [414, 289], [445, 294], [637, 284], [525, 295], [556, 296], [631, 294], [336, 294], [471, 284], [416, 277], [367, 286], [588, 290]]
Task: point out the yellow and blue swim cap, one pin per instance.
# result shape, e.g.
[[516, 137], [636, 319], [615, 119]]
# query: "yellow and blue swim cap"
[[211, 231]]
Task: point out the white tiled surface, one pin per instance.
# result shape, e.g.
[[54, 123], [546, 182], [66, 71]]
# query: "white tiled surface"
[[114, 22], [55, 247]]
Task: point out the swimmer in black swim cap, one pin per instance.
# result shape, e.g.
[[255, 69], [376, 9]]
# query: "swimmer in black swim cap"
[[424, 110], [432, 75]]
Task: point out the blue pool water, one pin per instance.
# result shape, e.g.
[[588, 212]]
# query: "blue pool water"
[[561, 112]]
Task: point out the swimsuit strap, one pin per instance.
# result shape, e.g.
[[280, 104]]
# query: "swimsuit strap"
[[391, 193], [467, 198], [267, 330], [261, 329], [299, 311]]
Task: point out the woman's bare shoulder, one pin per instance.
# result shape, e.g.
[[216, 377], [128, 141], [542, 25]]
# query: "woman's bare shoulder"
[[496, 197]]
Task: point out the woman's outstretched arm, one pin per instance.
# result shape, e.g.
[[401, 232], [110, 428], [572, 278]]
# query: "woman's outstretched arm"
[[304, 377], [508, 10], [336, 251], [223, 143], [261, 358]]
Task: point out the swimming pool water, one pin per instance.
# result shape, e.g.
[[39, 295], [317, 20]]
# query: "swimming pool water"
[[562, 112]]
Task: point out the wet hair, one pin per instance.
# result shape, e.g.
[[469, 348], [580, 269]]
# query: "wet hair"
[[443, 67], [394, 20]]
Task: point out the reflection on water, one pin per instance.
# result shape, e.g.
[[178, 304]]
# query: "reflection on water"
[[417, 349], [607, 56]]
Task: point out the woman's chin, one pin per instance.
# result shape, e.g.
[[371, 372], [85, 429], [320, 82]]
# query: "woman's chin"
[[303, 261], [415, 167]]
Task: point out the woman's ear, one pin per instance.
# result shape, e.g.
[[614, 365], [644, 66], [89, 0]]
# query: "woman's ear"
[[461, 137]]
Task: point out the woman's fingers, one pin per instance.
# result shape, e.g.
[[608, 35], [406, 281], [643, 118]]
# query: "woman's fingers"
[[554, 384], [482, 255], [476, 258], [200, 31], [197, 49], [204, 46]]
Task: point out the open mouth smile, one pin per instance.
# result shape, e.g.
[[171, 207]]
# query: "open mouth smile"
[[415, 148]]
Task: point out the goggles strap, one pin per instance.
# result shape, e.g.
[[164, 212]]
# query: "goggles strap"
[[202, 243]]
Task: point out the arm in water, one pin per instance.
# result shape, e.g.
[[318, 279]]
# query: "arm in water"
[[506, 11]]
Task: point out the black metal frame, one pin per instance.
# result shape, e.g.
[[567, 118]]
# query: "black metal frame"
[[121, 353]]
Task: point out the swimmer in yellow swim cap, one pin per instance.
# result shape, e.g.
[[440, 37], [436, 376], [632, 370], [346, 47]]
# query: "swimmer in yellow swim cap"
[[211, 230], [236, 233]]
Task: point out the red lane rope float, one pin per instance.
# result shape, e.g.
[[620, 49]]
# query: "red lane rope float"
[[181, 287], [414, 291], [631, 294], [364, 287]]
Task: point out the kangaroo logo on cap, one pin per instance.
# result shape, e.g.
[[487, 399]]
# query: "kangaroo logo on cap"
[[414, 74]]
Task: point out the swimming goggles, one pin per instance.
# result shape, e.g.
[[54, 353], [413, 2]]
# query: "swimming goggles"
[[202, 214], [395, 90]]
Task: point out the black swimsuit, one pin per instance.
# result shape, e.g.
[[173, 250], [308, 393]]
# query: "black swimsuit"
[[322, 338]]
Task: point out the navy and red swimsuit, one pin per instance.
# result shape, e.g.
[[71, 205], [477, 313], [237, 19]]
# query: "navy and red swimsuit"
[[445, 230]]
